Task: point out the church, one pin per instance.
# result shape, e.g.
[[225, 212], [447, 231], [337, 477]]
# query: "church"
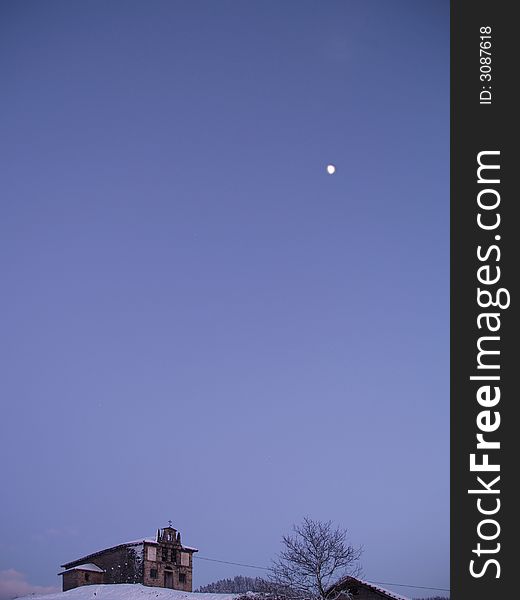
[[162, 561]]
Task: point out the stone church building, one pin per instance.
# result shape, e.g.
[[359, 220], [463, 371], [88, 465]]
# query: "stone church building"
[[160, 562]]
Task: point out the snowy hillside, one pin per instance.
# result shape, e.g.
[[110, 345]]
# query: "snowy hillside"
[[127, 591]]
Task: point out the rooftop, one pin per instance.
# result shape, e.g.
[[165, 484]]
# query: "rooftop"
[[138, 542], [84, 567], [352, 581]]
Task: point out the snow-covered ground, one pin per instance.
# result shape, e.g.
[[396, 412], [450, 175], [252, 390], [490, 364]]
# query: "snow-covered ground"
[[137, 591], [128, 591]]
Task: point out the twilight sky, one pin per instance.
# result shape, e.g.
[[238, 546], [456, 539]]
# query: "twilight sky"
[[198, 322]]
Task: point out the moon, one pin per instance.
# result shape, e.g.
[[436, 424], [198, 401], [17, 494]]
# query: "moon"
[[331, 169]]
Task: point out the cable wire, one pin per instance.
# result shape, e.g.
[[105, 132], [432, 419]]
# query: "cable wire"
[[407, 585]]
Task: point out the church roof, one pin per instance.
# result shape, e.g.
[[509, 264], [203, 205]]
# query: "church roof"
[[138, 542]]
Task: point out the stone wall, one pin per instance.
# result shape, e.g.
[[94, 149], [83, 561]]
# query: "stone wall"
[[74, 579], [170, 572], [122, 564]]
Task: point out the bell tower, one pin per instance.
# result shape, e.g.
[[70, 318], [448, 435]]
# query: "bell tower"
[[169, 535]]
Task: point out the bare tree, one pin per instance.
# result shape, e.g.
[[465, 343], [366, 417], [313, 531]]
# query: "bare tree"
[[313, 558]]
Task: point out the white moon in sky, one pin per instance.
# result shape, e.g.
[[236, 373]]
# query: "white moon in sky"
[[331, 169]]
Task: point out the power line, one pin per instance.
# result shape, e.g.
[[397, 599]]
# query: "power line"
[[227, 562], [418, 587]]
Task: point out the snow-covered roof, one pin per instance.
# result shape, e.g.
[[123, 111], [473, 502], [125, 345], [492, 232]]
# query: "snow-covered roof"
[[98, 552], [85, 567], [384, 591], [355, 581], [140, 541]]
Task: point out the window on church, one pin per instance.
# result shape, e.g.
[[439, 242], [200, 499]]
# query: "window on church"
[[185, 559], [153, 573], [151, 552], [87, 576], [182, 578], [165, 554]]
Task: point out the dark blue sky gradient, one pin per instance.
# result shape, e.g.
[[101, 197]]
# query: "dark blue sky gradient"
[[200, 324]]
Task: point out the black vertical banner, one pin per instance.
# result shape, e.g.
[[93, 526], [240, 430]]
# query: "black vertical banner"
[[485, 251]]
